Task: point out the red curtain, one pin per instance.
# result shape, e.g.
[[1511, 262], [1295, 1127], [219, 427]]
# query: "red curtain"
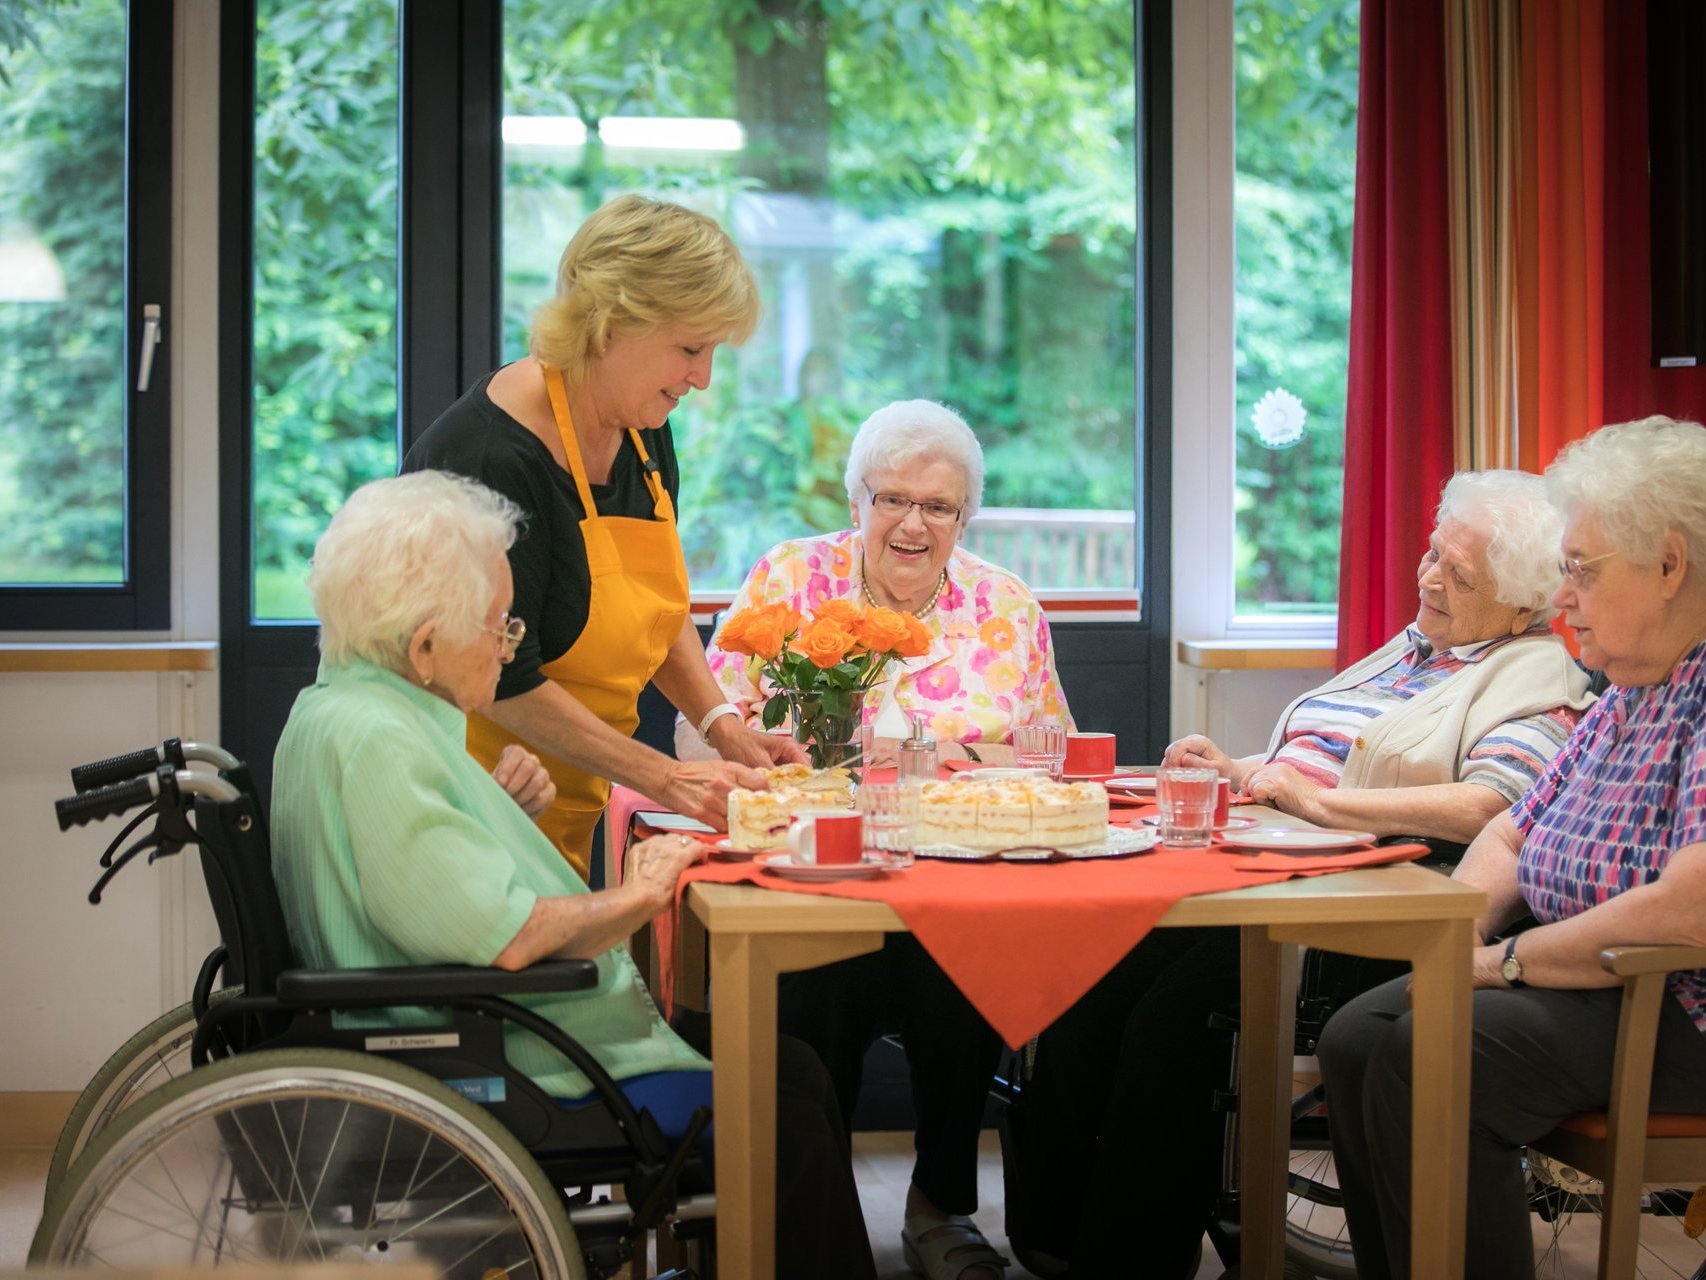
[[1398, 412]]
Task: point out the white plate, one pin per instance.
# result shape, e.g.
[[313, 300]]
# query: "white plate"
[[1120, 842], [1237, 822], [784, 865], [997, 774], [725, 845], [1286, 839], [1130, 782]]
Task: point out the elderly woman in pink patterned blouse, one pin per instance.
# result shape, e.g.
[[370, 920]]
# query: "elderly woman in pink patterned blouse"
[[914, 480]]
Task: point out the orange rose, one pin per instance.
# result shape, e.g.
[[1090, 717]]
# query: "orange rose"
[[917, 638], [881, 630], [825, 642], [732, 637], [842, 611]]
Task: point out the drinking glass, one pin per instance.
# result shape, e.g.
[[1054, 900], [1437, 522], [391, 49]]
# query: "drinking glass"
[[891, 817], [1040, 745], [1187, 799]]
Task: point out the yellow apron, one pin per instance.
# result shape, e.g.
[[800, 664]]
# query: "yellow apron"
[[638, 605]]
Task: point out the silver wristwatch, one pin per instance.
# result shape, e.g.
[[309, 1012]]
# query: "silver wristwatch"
[[1510, 967]]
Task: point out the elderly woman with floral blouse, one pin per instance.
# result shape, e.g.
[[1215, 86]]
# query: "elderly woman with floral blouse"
[[1608, 847], [914, 481]]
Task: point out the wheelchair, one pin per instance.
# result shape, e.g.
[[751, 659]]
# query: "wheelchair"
[[296, 1137]]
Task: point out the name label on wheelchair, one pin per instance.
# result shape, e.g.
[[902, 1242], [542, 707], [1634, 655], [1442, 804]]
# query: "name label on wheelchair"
[[382, 1044]]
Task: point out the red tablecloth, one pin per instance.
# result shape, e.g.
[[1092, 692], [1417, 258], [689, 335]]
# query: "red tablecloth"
[[1025, 940]]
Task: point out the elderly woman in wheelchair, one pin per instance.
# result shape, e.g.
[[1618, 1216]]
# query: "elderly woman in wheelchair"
[[1608, 848], [1432, 735], [407, 876]]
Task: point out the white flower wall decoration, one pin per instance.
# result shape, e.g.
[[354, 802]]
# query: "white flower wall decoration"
[[1278, 419]]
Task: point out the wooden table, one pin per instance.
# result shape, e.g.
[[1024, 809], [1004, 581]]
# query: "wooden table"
[[1402, 912]]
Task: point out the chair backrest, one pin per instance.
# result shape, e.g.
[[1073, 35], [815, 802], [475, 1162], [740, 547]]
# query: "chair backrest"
[[236, 862]]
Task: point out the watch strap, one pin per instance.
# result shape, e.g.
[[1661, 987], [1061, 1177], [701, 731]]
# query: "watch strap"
[[1511, 968]]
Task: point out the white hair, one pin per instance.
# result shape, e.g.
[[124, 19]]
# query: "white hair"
[[402, 551], [1640, 481], [1523, 531], [909, 432]]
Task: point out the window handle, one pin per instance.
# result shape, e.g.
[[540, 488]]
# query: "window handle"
[[151, 337]]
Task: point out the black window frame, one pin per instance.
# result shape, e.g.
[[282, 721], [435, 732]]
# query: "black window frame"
[[143, 601]]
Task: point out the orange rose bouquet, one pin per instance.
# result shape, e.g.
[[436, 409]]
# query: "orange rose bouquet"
[[819, 668]]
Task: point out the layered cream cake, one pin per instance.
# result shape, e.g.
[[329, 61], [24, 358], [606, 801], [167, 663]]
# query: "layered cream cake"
[[1012, 813], [759, 820]]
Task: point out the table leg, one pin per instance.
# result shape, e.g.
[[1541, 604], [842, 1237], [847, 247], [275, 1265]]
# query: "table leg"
[[1439, 952], [1267, 1028], [743, 1082], [1439, 1153]]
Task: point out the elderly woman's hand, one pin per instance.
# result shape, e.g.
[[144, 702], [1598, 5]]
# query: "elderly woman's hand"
[[524, 776], [1287, 790], [700, 788], [653, 866], [1196, 752]]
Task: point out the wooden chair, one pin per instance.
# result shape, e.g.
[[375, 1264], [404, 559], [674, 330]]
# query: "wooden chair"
[[1625, 1145]]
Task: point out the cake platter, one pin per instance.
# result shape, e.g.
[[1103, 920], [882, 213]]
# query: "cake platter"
[[1119, 842]]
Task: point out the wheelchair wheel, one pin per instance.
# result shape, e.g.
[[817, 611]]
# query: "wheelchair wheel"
[[1315, 1234], [1566, 1214], [154, 1056], [309, 1155]]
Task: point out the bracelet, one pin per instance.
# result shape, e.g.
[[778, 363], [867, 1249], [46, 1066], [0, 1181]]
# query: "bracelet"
[[711, 717]]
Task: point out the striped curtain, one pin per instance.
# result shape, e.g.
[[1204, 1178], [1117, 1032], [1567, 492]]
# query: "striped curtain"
[[1544, 112]]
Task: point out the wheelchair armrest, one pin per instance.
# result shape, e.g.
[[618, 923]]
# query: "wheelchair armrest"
[[1628, 961], [426, 984]]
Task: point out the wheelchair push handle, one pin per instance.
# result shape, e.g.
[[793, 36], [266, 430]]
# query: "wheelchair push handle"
[[103, 802], [133, 764]]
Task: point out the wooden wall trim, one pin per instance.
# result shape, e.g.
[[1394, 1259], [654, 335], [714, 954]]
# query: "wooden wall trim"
[[176, 655], [1265, 655]]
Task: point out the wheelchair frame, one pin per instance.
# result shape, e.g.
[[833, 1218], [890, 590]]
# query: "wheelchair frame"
[[286, 1010]]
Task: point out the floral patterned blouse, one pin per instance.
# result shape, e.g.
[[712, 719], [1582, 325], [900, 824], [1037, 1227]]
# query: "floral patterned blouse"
[[991, 659]]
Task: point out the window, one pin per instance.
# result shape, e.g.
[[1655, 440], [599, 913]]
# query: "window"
[[939, 199], [85, 221], [325, 277], [1293, 197]]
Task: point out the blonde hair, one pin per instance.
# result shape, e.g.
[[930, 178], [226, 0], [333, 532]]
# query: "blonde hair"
[[634, 266], [402, 551]]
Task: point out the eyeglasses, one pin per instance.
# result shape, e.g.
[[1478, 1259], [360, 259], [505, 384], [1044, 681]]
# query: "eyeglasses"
[[898, 504], [511, 631], [1576, 570]]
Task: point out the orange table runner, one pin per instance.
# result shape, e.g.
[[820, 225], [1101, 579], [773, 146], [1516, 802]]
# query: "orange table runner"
[[1025, 940]]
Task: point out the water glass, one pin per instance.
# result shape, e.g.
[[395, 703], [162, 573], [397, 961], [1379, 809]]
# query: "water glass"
[[1187, 799], [891, 816], [1040, 745]]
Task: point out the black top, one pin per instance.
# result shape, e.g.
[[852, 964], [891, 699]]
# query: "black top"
[[475, 438]]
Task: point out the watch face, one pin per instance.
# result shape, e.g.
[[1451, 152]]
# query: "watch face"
[[1510, 968]]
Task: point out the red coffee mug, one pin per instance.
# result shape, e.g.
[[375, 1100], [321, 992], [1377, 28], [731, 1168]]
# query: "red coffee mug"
[[827, 836], [1089, 753]]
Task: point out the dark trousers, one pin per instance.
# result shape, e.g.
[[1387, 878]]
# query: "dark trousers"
[[820, 1229], [1120, 1149], [840, 1009], [1537, 1056]]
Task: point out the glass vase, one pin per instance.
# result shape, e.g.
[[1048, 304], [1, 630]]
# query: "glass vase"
[[826, 723]]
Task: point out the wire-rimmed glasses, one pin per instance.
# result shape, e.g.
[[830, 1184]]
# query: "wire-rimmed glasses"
[[1575, 569], [511, 630], [898, 504]]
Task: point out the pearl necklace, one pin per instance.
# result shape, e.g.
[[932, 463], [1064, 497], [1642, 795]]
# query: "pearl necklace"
[[921, 614]]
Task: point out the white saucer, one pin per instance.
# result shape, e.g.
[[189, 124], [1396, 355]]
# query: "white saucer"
[[783, 864], [1286, 839], [1237, 822], [1129, 781], [997, 774]]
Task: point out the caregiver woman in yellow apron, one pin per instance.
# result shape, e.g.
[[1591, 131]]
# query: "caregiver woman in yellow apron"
[[577, 435]]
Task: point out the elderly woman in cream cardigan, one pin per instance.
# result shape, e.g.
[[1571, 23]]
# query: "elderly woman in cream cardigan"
[[1449, 722]]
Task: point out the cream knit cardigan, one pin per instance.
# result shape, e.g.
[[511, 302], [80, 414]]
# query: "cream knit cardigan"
[[1426, 739]]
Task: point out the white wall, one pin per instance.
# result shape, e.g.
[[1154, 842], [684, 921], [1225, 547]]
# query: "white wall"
[[80, 979]]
